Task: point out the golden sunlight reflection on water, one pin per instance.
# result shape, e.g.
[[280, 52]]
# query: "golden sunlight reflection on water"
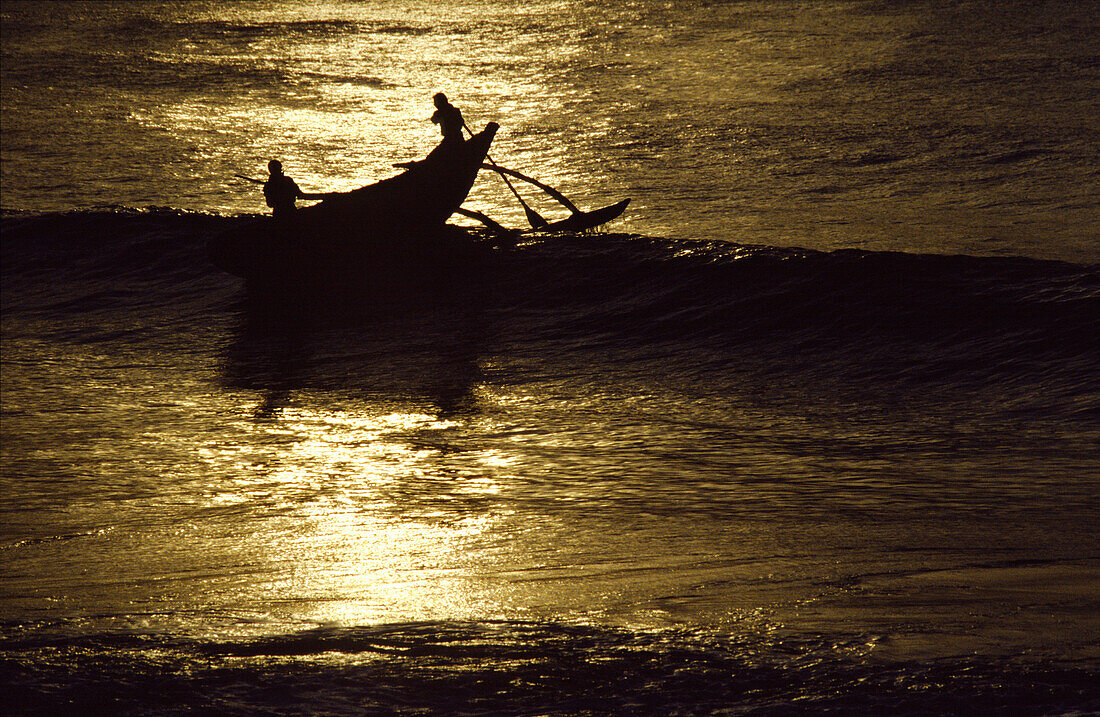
[[352, 554], [340, 111], [358, 515]]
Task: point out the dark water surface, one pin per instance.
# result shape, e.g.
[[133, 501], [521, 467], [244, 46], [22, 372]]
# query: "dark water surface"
[[679, 468]]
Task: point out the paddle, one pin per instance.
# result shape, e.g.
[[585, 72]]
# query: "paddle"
[[250, 179], [562, 199], [533, 218]]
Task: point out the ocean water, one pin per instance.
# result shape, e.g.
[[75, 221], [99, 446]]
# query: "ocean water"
[[813, 428]]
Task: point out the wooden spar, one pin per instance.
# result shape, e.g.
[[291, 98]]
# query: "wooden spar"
[[533, 218], [544, 187], [487, 221], [579, 220], [576, 222]]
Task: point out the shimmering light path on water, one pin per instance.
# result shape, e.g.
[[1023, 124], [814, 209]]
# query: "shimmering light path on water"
[[603, 501]]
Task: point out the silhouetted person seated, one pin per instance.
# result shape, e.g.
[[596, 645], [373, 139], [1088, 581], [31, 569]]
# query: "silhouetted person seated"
[[281, 192], [449, 119]]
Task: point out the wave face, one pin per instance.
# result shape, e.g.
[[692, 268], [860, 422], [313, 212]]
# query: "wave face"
[[892, 316], [889, 308]]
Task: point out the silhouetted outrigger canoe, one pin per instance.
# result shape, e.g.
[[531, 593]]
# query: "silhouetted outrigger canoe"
[[388, 232], [395, 224]]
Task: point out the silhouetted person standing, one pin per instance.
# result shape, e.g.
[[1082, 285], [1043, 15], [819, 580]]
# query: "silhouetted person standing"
[[281, 192], [449, 119]]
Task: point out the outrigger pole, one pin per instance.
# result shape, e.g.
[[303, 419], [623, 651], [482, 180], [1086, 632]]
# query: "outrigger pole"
[[533, 218], [544, 187], [578, 220]]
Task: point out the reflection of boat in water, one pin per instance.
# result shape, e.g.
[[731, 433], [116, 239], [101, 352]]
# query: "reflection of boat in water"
[[392, 354], [381, 231]]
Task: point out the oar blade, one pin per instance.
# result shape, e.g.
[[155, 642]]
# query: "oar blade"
[[534, 219]]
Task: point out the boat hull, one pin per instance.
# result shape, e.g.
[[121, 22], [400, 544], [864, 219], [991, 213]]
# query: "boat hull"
[[390, 228]]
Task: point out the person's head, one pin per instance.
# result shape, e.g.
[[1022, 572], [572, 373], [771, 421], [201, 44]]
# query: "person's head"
[[440, 100], [275, 166]]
